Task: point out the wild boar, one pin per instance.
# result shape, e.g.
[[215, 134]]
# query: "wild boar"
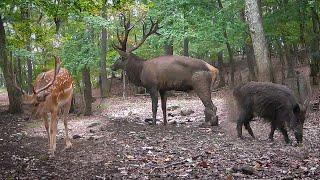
[[273, 102]]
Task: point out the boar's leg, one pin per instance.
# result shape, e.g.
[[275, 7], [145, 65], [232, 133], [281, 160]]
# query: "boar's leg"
[[285, 134], [164, 106], [248, 128], [154, 98], [244, 119], [202, 86], [273, 128]]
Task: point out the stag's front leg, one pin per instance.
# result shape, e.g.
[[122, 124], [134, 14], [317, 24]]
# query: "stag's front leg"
[[53, 131], [202, 86], [164, 106], [65, 112], [154, 98]]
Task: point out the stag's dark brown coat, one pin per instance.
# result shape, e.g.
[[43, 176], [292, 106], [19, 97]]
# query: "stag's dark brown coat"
[[166, 73], [273, 102]]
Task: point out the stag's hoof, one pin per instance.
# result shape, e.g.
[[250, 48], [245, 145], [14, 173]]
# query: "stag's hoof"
[[51, 154], [214, 121]]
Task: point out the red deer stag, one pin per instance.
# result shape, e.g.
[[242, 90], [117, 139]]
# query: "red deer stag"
[[52, 91], [167, 73]]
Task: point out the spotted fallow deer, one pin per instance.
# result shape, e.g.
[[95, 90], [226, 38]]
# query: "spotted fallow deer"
[[52, 91]]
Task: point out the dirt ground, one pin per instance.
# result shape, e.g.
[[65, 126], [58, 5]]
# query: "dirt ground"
[[117, 142]]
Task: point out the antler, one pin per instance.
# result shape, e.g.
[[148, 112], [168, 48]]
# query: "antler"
[[57, 66], [123, 36], [16, 85], [152, 30]]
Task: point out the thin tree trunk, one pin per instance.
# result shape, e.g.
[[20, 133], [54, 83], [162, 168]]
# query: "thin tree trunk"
[[251, 61], [87, 91], [315, 52], [13, 94], [186, 46], [222, 81], [259, 41], [282, 62], [168, 48], [103, 67], [230, 51], [290, 61]]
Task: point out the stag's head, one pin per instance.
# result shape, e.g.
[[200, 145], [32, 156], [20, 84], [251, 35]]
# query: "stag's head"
[[121, 62], [39, 94], [122, 46]]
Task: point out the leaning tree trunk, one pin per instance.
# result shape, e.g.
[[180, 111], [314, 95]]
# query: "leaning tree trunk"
[[103, 67], [290, 61], [87, 91], [13, 94], [259, 41]]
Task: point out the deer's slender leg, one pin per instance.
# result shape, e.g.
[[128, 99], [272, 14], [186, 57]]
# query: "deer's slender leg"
[[154, 98], [202, 85], [53, 131], [164, 106], [65, 122], [46, 125]]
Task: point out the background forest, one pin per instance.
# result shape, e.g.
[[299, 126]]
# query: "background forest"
[[82, 33]]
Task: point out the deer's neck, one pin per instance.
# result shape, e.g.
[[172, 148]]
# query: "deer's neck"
[[133, 70]]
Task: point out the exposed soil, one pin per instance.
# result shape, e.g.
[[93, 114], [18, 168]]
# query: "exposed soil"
[[117, 143]]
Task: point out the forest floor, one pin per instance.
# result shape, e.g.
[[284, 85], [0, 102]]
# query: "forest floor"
[[117, 142]]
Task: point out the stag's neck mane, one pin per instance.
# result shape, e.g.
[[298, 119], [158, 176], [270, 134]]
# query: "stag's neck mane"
[[134, 69]]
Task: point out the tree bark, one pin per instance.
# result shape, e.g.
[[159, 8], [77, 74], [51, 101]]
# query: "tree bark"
[[13, 94], [282, 62], [87, 91], [250, 60], [259, 41], [186, 46], [315, 52], [103, 66], [222, 81], [168, 48], [230, 51], [290, 61]]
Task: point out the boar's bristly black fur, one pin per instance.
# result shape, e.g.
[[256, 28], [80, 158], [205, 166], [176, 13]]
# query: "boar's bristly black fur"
[[273, 102]]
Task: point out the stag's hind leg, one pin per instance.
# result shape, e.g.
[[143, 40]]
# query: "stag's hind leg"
[[53, 131], [202, 85], [164, 106]]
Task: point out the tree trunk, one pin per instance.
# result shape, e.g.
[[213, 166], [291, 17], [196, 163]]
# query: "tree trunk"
[[251, 61], [186, 46], [25, 16], [290, 61], [222, 81], [230, 51], [168, 48], [103, 67], [87, 91], [13, 94], [259, 41], [282, 62], [315, 52]]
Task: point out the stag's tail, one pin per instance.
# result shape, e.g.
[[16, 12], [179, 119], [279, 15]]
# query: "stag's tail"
[[214, 72]]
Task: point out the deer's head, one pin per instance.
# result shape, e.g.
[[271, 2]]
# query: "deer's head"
[[39, 95]]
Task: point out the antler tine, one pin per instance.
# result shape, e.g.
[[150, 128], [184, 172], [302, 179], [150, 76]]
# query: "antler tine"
[[153, 30], [57, 66], [16, 85]]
